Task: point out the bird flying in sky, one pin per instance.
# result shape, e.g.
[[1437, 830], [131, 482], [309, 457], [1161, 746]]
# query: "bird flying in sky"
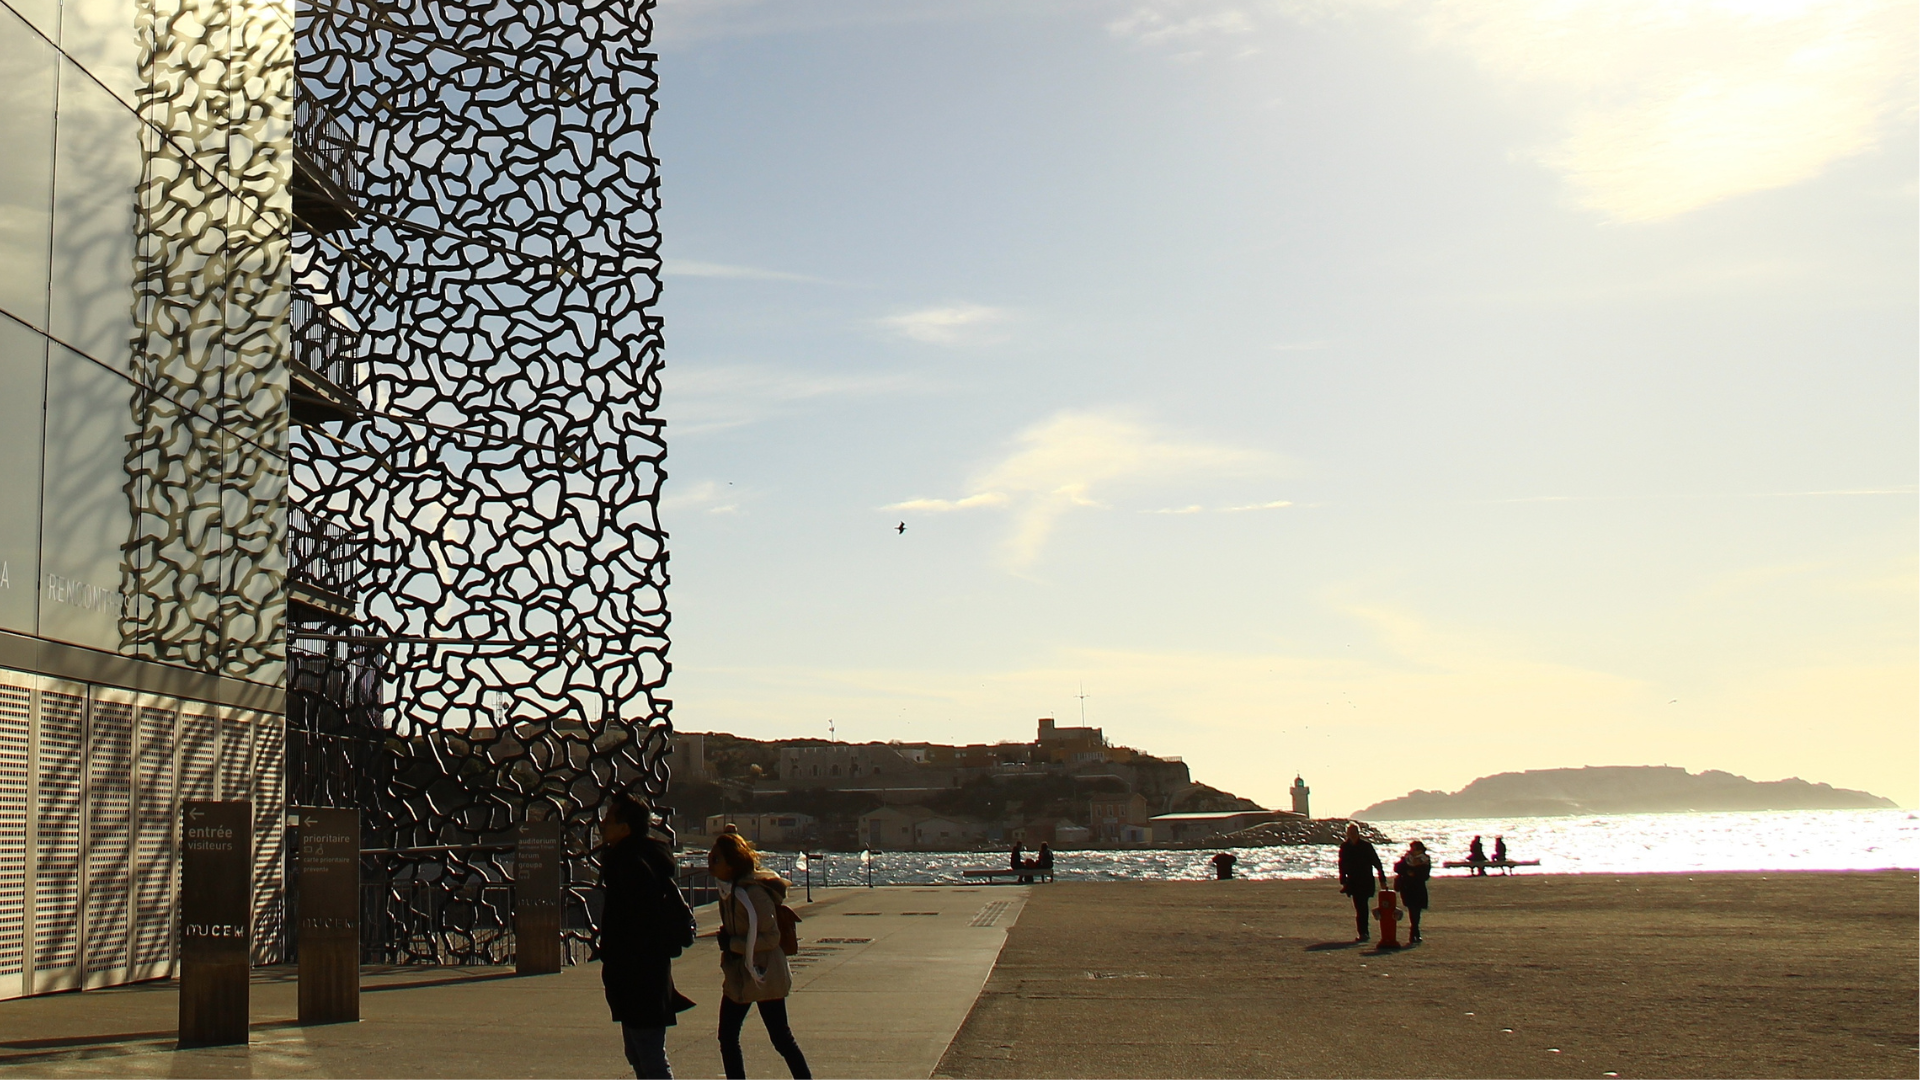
[[900, 528]]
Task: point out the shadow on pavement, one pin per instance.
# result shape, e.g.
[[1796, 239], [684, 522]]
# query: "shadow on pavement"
[[456, 980], [81, 1040], [125, 1041]]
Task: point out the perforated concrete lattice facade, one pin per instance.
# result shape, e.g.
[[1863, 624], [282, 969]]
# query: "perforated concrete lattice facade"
[[475, 387]]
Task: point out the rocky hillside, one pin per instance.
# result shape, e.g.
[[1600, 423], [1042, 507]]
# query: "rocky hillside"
[[1618, 789]]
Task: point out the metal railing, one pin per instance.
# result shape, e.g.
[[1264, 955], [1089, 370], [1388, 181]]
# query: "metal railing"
[[324, 554], [325, 142], [327, 348]]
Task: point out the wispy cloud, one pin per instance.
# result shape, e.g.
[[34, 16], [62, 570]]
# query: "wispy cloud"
[[681, 23], [1068, 460], [1700, 496], [1666, 106], [711, 398], [1196, 508], [1679, 104], [958, 324], [1179, 20], [706, 496], [985, 498], [693, 268]]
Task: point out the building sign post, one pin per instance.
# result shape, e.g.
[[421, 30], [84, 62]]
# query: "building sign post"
[[536, 898], [216, 894], [329, 915]]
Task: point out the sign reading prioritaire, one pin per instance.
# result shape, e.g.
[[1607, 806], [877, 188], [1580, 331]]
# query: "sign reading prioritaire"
[[329, 915], [216, 893]]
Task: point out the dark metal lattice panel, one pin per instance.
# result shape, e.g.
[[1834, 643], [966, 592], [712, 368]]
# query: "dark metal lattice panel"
[[495, 275]]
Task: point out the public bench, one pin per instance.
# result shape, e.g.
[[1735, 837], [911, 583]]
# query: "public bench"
[[1505, 866], [992, 877]]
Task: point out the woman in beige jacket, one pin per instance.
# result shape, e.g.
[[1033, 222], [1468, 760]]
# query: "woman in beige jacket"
[[752, 967]]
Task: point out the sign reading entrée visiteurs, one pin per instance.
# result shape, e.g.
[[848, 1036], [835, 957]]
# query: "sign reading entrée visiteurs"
[[216, 893], [329, 915]]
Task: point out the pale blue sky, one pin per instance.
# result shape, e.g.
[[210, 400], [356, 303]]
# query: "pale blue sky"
[[1393, 393]]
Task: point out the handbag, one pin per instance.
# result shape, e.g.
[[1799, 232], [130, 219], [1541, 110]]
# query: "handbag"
[[789, 936]]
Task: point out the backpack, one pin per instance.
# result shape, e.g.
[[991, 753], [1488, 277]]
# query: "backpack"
[[677, 927], [674, 930]]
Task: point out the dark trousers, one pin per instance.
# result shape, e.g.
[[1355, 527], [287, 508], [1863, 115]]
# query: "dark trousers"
[[1413, 917], [774, 1015], [1360, 906], [647, 1051]]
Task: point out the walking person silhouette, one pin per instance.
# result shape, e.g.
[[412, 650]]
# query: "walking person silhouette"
[[753, 969], [1359, 863], [1410, 875], [644, 924]]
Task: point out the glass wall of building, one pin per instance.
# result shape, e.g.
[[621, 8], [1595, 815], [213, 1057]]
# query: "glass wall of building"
[[144, 288]]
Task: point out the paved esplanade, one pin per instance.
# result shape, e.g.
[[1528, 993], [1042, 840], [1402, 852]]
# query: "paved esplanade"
[[884, 979], [1542, 975]]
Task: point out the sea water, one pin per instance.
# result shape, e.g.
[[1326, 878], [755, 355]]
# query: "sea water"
[[1593, 844]]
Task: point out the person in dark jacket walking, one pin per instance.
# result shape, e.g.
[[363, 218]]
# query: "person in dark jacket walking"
[[1359, 863], [1410, 874], [643, 926]]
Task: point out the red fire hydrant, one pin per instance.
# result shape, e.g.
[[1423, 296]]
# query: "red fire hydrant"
[[1389, 915]]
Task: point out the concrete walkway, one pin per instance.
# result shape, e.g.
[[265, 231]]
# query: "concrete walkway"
[[884, 979]]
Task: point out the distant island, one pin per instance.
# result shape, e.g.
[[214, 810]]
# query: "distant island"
[[1618, 789]]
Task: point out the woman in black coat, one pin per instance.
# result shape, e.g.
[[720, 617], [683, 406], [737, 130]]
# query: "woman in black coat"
[[1359, 863], [1410, 876], [643, 926]]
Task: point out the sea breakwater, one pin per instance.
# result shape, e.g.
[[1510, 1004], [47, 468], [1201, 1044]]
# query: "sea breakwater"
[[1291, 831]]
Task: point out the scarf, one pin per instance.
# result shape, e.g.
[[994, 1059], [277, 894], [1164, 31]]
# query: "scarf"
[[727, 890]]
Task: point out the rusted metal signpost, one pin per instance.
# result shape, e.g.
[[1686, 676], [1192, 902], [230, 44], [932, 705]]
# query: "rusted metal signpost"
[[329, 915], [216, 893], [536, 898]]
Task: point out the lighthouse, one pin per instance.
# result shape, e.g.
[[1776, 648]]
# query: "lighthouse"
[[1300, 793]]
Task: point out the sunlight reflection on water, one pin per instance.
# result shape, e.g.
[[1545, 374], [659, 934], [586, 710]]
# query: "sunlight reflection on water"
[[1627, 843]]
